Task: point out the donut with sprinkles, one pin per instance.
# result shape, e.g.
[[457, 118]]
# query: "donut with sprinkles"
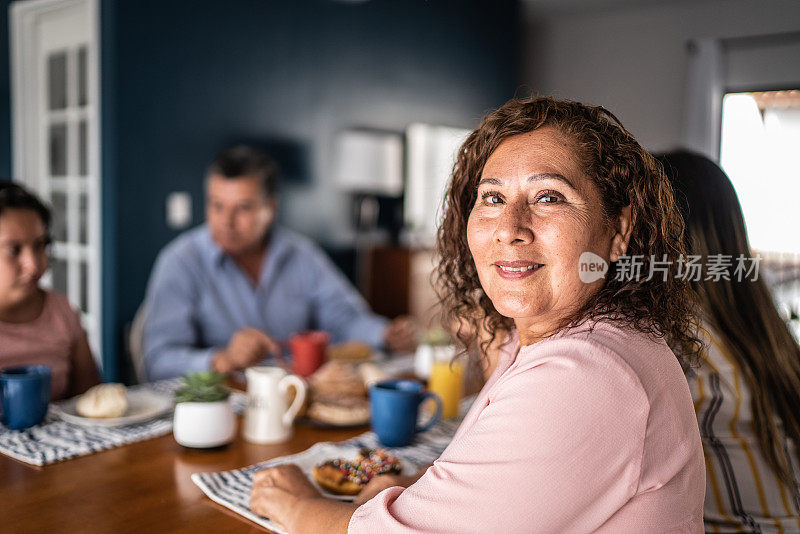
[[348, 477]]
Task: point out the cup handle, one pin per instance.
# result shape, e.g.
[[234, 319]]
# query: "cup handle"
[[299, 399], [436, 416]]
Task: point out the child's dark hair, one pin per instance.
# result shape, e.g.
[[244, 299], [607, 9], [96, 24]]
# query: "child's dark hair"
[[13, 196]]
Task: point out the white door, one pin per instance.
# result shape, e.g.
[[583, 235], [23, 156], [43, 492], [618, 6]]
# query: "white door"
[[56, 138]]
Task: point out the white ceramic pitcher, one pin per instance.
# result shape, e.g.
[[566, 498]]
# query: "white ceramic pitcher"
[[268, 419]]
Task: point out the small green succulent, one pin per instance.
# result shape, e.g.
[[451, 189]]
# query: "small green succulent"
[[202, 386]]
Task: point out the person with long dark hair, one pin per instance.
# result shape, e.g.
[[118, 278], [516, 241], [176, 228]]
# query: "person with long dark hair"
[[747, 388]]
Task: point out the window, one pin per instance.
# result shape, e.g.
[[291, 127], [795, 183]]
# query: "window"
[[759, 152]]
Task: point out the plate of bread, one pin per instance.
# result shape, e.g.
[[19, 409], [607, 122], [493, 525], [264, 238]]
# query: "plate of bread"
[[112, 405], [338, 390]]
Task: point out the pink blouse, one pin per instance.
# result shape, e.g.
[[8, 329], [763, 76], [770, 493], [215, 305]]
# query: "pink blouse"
[[47, 340], [584, 431]]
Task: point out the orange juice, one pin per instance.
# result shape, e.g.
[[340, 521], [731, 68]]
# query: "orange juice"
[[446, 381]]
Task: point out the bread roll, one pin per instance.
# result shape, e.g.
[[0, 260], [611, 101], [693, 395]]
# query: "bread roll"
[[337, 379], [351, 351], [103, 401]]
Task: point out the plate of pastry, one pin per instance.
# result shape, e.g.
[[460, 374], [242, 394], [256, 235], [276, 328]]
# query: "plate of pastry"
[[111, 405], [338, 394], [341, 471]]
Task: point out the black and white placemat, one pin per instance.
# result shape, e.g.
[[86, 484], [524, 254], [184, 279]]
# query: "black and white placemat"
[[55, 440], [232, 488]]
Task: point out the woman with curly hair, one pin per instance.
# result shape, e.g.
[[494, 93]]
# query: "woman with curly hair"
[[586, 423]]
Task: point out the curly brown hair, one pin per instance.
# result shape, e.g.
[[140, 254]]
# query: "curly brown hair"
[[625, 174]]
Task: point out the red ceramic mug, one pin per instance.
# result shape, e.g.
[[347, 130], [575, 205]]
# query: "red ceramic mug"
[[308, 351]]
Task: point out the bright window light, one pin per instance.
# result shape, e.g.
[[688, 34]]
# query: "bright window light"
[[760, 152]]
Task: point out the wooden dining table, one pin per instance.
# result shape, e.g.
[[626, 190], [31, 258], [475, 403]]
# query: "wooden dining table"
[[143, 487]]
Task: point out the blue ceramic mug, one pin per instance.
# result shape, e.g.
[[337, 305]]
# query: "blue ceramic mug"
[[24, 395], [394, 405]]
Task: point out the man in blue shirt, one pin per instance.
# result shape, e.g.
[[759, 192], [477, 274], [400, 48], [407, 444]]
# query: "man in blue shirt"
[[230, 292]]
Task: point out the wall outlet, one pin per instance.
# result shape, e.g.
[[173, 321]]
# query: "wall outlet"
[[179, 209]]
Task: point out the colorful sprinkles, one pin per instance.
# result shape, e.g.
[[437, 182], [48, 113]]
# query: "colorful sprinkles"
[[370, 463]]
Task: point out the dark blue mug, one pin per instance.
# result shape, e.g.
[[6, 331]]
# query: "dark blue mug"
[[394, 406], [24, 395]]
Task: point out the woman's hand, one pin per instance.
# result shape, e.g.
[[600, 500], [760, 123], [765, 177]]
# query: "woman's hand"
[[277, 491]]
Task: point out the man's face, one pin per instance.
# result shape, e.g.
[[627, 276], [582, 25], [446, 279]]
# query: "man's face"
[[238, 213]]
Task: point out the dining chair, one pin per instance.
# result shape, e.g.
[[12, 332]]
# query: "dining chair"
[[136, 343]]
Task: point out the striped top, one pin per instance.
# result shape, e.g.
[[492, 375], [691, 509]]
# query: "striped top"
[[743, 494]]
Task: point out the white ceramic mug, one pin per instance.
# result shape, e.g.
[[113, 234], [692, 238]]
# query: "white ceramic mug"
[[268, 419]]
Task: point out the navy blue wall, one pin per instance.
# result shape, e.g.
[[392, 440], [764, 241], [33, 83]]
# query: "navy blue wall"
[[183, 79], [5, 94]]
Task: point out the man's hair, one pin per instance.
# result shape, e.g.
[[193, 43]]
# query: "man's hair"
[[242, 160], [13, 196]]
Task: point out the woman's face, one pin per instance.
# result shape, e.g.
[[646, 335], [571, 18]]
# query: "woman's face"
[[536, 212], [23, 255]]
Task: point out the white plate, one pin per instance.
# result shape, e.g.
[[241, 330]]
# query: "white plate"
[[143, 405], [322, 452]]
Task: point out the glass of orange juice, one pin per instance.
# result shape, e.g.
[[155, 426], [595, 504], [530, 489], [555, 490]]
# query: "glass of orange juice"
[[446, 380]]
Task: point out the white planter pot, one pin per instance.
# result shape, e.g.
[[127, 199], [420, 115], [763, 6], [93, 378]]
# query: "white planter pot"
[[204, 424]]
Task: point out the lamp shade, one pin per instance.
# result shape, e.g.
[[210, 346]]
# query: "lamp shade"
[[370, 162]]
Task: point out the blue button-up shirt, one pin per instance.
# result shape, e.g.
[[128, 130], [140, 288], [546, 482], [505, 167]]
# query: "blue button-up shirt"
[[198, 297]]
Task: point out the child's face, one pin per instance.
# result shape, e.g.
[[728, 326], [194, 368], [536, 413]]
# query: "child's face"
[[23, 255]]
